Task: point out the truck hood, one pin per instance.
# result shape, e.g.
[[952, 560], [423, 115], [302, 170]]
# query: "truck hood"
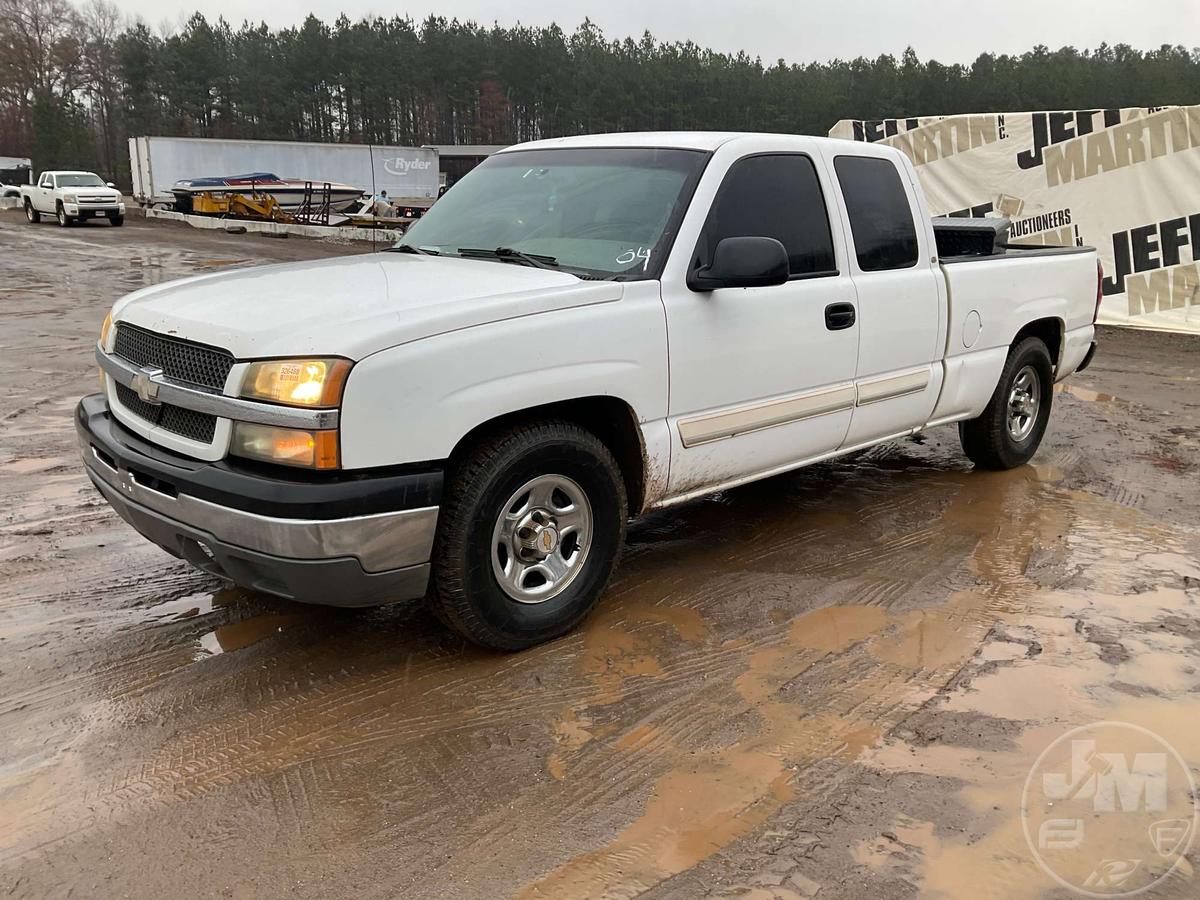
[[351, 306]]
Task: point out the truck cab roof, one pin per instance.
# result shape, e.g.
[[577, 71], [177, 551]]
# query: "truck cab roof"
[[687, 140]]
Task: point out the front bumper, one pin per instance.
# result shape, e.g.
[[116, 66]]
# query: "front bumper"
[[354, 539], [91, 210]]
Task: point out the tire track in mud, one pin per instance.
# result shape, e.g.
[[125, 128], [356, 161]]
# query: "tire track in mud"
[[647, 687], [645, 770], [353, 716], [872, 685], [320, 725]]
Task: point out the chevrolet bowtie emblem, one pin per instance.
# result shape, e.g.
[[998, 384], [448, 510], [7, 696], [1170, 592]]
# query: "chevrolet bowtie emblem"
[[147, 390]]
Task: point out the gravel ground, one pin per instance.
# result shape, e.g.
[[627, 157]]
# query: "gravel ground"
[[832, 683]]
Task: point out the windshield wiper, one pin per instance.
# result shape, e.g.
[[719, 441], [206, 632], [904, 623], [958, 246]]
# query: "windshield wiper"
[[410, 248], [537, 260]]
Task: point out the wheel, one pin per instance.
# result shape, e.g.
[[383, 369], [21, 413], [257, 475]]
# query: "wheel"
[[1010, 429], [116, 221], [64, 220], [32, 214], [530, 528]]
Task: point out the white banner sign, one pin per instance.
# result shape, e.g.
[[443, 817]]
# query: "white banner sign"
[[1126, 181]]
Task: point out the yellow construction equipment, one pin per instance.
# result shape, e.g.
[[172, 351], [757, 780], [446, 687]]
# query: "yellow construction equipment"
[[254, 205]]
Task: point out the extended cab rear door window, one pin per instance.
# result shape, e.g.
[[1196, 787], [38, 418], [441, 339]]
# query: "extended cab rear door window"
[[881, 221], [779, 196]]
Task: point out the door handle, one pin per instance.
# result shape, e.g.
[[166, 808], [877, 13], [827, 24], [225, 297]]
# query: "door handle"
[[839, 316]]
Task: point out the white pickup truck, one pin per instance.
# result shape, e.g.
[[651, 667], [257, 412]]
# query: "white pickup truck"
[[581, 330], [72, 197]]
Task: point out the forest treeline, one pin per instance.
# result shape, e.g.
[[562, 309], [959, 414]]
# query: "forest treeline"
[[77, 80]]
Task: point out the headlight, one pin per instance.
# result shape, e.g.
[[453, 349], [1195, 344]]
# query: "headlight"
[[287, 446], [297, 382], [68, 198]]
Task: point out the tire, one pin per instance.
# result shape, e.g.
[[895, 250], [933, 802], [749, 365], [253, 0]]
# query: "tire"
[[116, 221], [64, 221], [32, 214], [1004, 437], [558, 462]]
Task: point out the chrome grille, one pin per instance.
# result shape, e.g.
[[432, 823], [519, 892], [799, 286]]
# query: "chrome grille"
[[180, 360], [187, 423]]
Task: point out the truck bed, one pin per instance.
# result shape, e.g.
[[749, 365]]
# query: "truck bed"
[[1010, 251], [1005, 292], [990, 301]]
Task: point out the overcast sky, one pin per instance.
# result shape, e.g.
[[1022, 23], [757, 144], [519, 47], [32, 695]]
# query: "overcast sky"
[[795, 30]]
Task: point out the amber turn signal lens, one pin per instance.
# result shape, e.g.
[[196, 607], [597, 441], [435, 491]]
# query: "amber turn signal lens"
[[286, 446], [105, 328]]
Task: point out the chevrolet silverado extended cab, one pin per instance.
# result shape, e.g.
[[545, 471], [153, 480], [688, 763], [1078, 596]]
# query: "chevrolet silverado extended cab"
[[580, 330], [72, 197]]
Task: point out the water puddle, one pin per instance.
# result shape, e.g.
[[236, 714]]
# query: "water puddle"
[[191, 606], [240, 635], [156, 268], [220, 263], [1098, 655], [1083, 393], [877, 664], [997, 859], [228, 638]]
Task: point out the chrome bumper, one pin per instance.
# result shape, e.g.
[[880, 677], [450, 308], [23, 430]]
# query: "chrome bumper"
[[357, 561], [380, 542], [100, 209]]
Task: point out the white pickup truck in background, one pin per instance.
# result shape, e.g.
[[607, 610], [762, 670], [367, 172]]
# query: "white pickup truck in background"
[[72, 197], [581, 330]]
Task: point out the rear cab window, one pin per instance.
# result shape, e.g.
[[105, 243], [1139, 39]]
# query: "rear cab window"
[[774, 195], [881, 218]]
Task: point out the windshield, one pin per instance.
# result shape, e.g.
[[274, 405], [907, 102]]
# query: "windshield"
[[605, 213], [85, 179]]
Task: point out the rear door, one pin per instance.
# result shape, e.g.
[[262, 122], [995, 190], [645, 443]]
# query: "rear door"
[[758, 380], [900, 294]]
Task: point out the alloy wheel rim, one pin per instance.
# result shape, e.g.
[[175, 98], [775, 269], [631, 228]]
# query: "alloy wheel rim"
[[541, 538], [1024, 401]]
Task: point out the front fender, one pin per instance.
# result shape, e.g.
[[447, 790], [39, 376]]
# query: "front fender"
[[415, 402]]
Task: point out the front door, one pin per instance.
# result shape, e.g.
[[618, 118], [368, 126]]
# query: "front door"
[[43, 197], [763, 378]]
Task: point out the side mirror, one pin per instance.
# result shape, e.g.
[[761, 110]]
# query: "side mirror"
[[111, 185], [743, 262]]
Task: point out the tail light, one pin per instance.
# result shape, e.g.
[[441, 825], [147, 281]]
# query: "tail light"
[[1099, 290]]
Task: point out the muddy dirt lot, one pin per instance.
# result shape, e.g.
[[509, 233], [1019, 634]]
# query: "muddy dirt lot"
[[830, 684]]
